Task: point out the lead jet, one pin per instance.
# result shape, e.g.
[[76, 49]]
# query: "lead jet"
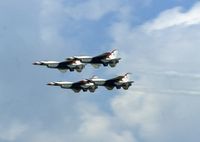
[[84, 85], [105, 59], [70, 64], [118, 82]]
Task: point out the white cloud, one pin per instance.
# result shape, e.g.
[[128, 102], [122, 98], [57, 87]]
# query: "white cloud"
[[181, 74], [42, 136], [12, 131], [175, 17], [137, 110], [54, 24], [58, 18], [140, 112], [51, 15], [100, 126], [161, 60], [95, 125], [164, 63], [92, 9]]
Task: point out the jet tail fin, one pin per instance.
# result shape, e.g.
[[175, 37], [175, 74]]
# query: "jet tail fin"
[[114, 53], [127, 76], [94, 77]]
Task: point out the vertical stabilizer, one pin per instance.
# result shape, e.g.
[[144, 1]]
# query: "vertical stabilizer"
[[114, 54], [126, 77]]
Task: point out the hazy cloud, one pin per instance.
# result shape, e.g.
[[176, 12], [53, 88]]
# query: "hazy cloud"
[[12, 131], [175, 17], [164, 64], [92, 10]]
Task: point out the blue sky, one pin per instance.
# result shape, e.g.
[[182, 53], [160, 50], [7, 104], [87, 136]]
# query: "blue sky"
[[158, 42]]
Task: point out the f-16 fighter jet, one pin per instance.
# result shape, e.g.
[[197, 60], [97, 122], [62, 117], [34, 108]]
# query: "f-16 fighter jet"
[[84, 85], [108, 58], [118, 82], [70, 64]]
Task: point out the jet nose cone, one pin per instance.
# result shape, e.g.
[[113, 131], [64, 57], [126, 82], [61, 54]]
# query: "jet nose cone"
[[36, 63], [51, 83]]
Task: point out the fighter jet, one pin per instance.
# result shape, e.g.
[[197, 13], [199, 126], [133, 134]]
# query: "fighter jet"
[[108, 58], [70, 64], [84, 85], [119, 82]]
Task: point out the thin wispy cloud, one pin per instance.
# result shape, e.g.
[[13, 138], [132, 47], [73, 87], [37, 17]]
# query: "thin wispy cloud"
[[175, 17], [12, 131], [92, 10]]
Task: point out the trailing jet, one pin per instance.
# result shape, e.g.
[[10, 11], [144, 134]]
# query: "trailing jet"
[[84, 85], [118, 82], [108, 58], [70, 64]]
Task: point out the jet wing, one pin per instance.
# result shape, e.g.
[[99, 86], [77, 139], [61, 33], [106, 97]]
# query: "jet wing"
[[84, 85], [77, 85], [71, 65]]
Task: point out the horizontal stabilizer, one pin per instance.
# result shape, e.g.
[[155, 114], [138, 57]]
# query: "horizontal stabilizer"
[[114, 54]]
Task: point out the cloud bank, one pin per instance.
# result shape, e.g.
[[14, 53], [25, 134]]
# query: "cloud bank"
[[161, 53]]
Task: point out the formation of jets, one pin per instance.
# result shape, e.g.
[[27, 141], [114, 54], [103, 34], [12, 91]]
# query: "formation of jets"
[[78, 63]]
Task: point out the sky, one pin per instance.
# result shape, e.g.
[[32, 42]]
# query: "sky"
[[158, 42]]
